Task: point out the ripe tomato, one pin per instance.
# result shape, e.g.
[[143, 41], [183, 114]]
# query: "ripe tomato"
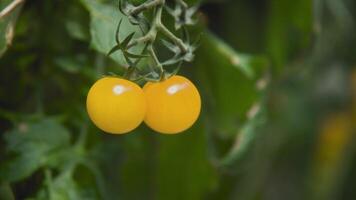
[[116, 105], [173, 105]]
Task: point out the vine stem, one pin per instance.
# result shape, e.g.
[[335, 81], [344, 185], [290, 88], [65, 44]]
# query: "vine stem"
[[8, 9], [182, 3], [181, 48], [168, 33], [155, 59], [48, 177], [174, 38], [157, 25], [147, 5], [100, 182], [80, 143]]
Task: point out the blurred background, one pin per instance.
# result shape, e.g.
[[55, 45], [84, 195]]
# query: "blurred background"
[[278, 84]]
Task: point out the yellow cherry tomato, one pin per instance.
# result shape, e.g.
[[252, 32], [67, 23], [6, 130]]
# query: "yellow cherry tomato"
[[173, 105], [116, 105]]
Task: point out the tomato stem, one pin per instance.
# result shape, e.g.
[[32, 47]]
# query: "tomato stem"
[[182, 50]]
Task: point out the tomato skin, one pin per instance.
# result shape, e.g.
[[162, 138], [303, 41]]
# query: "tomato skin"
[[173, 105], [116, 105]]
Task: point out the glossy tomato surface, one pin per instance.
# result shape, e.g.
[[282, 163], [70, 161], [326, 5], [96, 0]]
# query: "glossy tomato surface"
[[116, 105], [173, 105]]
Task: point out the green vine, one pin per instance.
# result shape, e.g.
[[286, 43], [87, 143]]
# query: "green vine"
[[181, 47]]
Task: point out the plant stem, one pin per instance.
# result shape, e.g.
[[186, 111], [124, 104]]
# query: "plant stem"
[[98, 177], [174, 38], [167, 32], [149, 37], [182, 3], [7, 10], [157, 25], [80, 143], [48, 177], [147, 5], [155, 59]]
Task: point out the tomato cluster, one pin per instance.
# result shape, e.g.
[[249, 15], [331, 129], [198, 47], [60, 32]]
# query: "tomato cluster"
[[119, 106]]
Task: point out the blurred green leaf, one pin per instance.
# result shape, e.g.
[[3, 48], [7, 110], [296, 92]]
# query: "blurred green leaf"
[[183, 167], [167, 166], [228, 82], [244, 140], [104, 21], [77, 22], [247, 64], [270, 119], [6, 192], [62, 188], [289, 30], [137, 167], [76, 30], [70, 64], [32, 144]]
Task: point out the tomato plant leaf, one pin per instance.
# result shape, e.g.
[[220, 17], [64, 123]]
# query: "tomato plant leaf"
[[288, 23], [244, 140], [62, 187], [249, 65], [228, 79], [31, 144], [103, 26]]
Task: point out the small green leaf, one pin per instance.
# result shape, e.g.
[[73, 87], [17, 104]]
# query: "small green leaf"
[[114, 49], [127, 40], [129, 62]]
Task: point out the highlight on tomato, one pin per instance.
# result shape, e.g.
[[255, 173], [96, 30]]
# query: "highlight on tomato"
[[116, 105], [173, 105]]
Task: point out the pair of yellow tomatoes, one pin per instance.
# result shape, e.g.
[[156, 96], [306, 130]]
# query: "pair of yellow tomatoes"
[[119, 106]]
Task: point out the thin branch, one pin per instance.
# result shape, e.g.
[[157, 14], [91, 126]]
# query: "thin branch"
[[168, 33], [146, 6], [182, 49], [174, 38], [155, 58], [152, 33], [182, 3], [149, 37], [8, 9], [49, 183]]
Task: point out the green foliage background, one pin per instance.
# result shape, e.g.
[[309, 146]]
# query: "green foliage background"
[[278, 85]]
